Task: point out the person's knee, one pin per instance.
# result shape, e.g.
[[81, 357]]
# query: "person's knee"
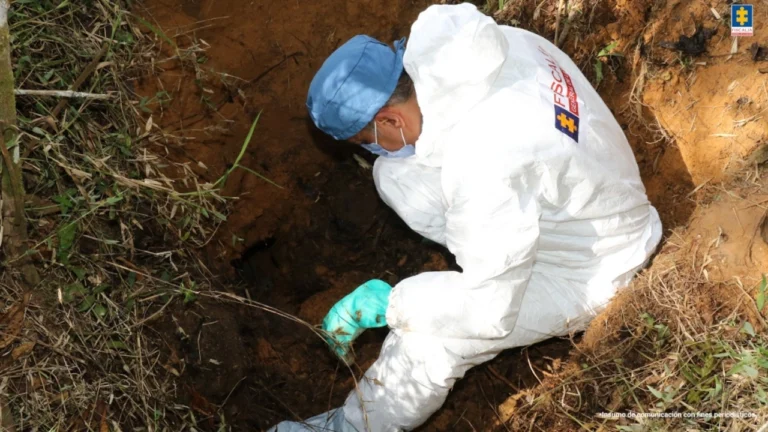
[[434, 363], [411, 379]]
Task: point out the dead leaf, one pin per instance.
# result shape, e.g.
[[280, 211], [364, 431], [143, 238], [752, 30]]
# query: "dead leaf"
[[173, 363], [104, 64], [22, 350], [58, 398], [7, 422], [200, 403], [76, 174], [171, 370], [764, 229], [616, 401], [37, 383], [12, 322], [101, 411]]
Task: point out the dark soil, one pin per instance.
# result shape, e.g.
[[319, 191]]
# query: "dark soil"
[[260, 368]]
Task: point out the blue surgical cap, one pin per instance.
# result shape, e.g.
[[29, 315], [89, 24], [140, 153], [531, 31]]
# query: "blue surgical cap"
[[353, 84]]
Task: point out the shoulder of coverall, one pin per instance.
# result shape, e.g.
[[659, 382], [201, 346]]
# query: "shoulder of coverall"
[[387, 170], [405, 181], [414, 192], [453, 56]]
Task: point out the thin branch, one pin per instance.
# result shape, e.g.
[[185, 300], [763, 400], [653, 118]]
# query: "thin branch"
[[64, 94]]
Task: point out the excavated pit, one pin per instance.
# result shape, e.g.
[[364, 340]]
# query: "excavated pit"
[[303, 245]]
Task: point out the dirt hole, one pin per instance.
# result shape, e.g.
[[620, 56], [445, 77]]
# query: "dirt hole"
[[317, 229]]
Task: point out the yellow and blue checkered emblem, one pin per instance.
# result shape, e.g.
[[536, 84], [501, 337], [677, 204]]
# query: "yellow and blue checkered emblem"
[[742, 19], [567, 123]]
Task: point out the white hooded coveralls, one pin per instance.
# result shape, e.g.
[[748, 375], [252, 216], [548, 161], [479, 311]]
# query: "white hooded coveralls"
[[523, 173]]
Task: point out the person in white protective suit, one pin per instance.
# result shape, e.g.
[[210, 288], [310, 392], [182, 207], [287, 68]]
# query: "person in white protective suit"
[[496, 146]]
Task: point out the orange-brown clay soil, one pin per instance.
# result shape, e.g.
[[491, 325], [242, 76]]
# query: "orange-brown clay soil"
[[303, 245]]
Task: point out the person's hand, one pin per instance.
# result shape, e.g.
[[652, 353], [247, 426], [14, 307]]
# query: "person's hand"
[[364, 308]]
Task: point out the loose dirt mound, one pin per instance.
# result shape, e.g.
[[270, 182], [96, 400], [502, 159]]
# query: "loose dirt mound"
[[686, 337]]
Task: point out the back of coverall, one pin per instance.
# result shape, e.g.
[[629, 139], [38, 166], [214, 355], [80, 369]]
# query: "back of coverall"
[[523, 173]]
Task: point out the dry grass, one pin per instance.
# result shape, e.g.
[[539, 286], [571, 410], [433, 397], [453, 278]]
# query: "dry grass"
[[675, 344], [113, 226]]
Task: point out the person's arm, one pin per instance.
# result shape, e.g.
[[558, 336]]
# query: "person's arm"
[[492, 227], [413, 192]]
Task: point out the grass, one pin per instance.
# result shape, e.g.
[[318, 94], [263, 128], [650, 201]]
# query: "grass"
[[113, 226], [682, 351], [603, 55], [223, 179]]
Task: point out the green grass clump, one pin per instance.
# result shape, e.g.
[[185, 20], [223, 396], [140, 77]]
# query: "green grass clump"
[[113, 225]]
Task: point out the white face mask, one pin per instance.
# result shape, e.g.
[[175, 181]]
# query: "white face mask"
[[405, 151]]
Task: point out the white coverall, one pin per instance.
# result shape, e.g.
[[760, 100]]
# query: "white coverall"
[[523, 173]]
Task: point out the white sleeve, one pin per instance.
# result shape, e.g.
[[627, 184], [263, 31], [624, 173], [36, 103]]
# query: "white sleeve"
[[413, 192], [492, 227]]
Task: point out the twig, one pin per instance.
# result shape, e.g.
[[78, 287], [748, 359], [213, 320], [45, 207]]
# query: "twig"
[[754, 234], [232, 391], [14, 175], [753, 204], [696, 189], [16, 245], [751, 302], [502, 378], [64, 94], [530, 365], [89, 69], [278, 400], [60, 351], [153, 316], [557, 21], [491, 406], [567, 26], [273, 67]]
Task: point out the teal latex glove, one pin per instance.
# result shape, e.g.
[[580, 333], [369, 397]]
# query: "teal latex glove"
[[364, 308]]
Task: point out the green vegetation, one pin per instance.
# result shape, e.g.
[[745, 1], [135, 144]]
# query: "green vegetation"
[[112, 225], [602, 56]]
